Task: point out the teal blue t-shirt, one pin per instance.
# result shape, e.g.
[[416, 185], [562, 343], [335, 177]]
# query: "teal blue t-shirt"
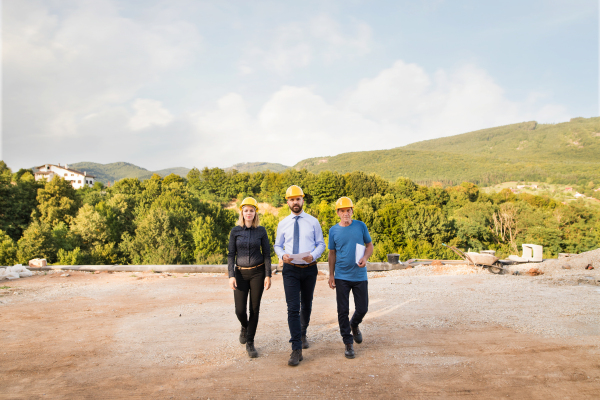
[[343, 239]]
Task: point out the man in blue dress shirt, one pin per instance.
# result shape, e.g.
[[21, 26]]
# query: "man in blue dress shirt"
[[298, 233], [346, 274]]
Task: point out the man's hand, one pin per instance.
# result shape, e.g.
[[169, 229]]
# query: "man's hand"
[[232, 283], [267, 282], [332, 281], [286, 258], [308, 258], [362, 262]]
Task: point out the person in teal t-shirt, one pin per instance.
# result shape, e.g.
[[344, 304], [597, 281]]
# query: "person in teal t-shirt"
[[346, 275]]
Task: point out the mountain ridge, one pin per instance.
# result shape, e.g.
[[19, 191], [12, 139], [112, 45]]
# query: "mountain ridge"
[[567, 152]]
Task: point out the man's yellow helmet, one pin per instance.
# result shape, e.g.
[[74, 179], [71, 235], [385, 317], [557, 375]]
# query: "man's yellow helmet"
[[343, 202], [293, 191], [249, 201]]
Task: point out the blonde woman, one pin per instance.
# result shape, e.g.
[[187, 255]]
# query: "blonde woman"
[[249, 262]]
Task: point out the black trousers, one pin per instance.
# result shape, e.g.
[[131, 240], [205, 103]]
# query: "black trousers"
[[299, 287], [252, 282], [360, 292]]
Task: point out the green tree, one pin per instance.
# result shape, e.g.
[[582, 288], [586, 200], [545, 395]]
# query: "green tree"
[[90, 227], [17, 202], [329, 186], [172, 178], [208, 250], [8, 250], [57, 202], [360, 185], [475, 226], [35, 243], [155, 240]]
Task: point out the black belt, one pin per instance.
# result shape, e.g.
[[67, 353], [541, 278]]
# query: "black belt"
[[303, 265], [256, 266]]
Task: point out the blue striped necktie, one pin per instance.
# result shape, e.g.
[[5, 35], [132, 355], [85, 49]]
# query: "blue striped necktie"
[[296, 249]]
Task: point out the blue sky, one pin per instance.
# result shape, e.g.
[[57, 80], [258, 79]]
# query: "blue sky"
[[191, 83]]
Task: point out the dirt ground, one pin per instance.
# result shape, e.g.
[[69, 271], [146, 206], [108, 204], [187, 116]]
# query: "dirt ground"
[[146, 335]]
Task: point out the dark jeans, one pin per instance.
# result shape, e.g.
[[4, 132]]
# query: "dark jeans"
[[253, 281], [360, 292], [299, 286]]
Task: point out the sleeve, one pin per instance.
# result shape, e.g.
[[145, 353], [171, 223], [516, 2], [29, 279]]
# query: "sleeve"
[[279, 240], [319, 242], [231, 254], [366, 235], [266, 251], [331, 239]]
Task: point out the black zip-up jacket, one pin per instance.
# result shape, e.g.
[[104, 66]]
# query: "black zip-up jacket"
[[245, 249]]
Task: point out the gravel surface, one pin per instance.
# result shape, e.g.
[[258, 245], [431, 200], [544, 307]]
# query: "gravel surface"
[[436, 331]]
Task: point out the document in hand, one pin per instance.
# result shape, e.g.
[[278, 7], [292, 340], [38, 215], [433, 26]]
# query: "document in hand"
[[298, 258], [360, 252]]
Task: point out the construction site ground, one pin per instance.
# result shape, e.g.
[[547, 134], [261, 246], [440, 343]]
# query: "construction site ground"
[[431, 332]]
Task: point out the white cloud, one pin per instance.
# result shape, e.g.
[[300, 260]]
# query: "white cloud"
[[64, 63], [298, 44], [80, 76], [148, 113], [400, 105]]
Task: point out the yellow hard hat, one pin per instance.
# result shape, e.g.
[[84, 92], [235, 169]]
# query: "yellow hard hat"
[[343, 202], [249, 201], [293, 191]]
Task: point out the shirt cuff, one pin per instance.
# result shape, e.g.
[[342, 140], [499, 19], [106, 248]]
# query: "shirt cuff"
[[315, 256]]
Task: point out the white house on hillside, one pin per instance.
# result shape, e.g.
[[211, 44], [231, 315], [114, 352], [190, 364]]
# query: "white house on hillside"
[[77, 178]]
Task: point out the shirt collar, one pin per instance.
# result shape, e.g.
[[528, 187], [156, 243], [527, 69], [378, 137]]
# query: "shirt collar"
[[301, 215]]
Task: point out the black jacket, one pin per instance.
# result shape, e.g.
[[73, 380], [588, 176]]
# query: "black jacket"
[[245, 246]]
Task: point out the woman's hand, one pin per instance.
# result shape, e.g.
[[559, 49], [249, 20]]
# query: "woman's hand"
[[232, 283], [267, 282]]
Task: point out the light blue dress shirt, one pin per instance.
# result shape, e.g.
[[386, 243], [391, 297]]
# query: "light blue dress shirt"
[[311, 236]]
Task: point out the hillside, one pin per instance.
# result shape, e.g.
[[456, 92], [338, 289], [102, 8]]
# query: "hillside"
[[119, 170], [181, 171], [258, 167], [567, 152]]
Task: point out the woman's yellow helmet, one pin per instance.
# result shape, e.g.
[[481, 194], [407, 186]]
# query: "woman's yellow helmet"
[[249, 201]]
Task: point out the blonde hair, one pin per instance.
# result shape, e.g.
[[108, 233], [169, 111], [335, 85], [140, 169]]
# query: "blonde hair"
[[255, 221]]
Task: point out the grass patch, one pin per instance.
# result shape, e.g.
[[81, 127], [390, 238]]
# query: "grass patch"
[[4, 287]]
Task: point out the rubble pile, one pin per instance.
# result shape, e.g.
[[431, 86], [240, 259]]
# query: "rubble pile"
[[16, 272]]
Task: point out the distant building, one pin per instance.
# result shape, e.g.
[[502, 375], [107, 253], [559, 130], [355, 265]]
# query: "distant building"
[[77, 178], [578, 195], [568, 189]]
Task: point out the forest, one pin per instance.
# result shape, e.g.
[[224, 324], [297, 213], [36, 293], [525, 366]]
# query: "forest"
[[176, 220]]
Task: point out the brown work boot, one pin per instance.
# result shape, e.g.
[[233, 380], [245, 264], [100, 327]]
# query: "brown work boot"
[[305, 344], [252, 353], [295, 358], [243, 334], [357, 334], [349, 353]]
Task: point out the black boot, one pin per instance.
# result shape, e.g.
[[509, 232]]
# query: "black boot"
[[295, 358], [357, 334], [305, 344], [349, 353], [243, 334], [252, 353]]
